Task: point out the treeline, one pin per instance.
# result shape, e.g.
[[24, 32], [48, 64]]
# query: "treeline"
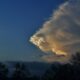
[[19, 72], [68, 71]]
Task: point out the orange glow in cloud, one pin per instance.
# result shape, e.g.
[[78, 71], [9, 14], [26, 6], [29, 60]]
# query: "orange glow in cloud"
[[61, 33]]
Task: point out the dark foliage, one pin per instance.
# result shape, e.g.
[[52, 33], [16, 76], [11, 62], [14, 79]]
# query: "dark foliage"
[[75, 58], [20, 72], [50, 73], [3, 72], [68, 71]]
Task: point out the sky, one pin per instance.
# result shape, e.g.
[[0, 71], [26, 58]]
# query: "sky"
[[19, 19]]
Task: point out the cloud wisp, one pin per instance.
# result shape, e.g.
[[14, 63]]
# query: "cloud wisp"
[[61, 33]]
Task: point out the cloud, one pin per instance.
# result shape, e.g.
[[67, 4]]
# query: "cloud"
[[61, 33]]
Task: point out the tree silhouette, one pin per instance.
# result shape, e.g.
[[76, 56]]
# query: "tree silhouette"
[[66, 72], [50, 73], [3, 72], [75, 59], [21, 72]]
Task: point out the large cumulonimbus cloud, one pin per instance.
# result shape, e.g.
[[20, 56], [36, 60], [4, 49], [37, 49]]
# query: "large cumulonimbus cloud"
[[61, 33]]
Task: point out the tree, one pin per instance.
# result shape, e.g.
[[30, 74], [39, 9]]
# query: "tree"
[[75, 59], [3, 72], [66, 72], [50, 73], [21, 72]]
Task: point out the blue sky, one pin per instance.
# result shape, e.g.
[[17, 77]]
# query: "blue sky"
[[19, 19]]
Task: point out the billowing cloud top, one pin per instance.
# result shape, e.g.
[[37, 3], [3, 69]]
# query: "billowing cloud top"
[[61, 33]]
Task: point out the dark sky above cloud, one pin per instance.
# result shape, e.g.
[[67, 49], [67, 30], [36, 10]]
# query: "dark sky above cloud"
[[19, 19]]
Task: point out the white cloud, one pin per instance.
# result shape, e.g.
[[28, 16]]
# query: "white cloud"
[[61, 33]]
